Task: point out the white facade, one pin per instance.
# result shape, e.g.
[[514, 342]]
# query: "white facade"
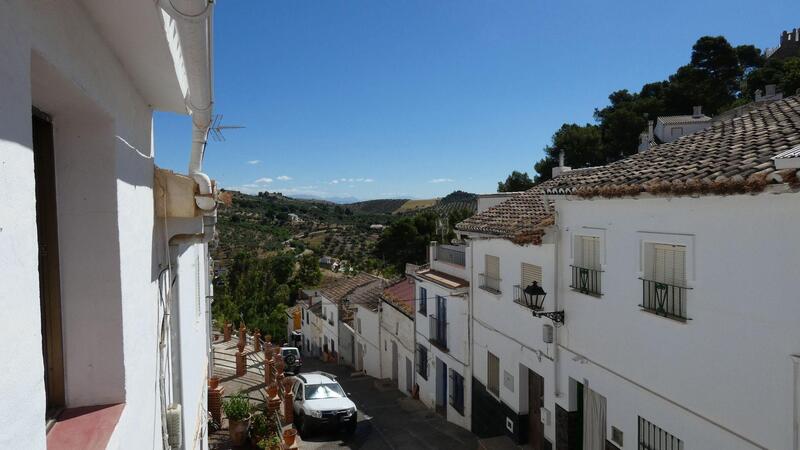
[[507, 329], [330, 325], [397, 351], [725, 378], [368, 352], [449, 359], [97, 72]]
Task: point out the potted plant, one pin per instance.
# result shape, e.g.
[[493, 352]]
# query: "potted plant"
[[213, 383], [259, 428], [289, 436], [237, 410], [271, 443]]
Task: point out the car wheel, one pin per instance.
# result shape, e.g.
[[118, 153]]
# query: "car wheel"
[[303, 427], [351, 426]]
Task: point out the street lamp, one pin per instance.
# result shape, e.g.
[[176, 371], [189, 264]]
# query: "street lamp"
[[534, 298]]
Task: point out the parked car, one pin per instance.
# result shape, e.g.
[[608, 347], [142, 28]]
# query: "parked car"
[[320, 402], [291, 357]]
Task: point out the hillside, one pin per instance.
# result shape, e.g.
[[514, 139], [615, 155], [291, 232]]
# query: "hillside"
[[268, 223]]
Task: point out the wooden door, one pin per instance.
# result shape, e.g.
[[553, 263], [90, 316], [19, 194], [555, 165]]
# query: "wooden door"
[[49, 274], [409, 375], [394, 361], [535, 403]]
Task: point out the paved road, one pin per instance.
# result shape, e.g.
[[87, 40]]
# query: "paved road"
[[387, 419]]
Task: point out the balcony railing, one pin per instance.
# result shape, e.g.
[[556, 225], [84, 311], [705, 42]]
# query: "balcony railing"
[[586, 280], [438, 332], [664, 299], [489, 283], [522, 299], [452, 254]]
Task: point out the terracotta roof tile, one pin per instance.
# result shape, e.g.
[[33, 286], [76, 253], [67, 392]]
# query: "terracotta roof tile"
[[337, 290], [402, 295], [732, 156]]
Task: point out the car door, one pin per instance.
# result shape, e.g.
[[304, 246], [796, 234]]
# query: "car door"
[[298, 392]]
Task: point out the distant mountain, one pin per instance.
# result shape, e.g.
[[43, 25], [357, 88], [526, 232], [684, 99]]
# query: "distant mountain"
[[338, 200], [453, 201]]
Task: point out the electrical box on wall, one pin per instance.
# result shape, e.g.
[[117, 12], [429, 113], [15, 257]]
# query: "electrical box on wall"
[[547, 333]]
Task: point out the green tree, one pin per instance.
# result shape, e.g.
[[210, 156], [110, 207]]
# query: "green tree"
[[581, 145], [517, 181], [308, 273]]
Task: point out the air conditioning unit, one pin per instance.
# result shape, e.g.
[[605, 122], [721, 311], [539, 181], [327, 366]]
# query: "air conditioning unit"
[[547, 333], [174, 425]]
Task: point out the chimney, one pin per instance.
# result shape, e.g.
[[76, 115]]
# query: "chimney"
[[561, 167], [770, 88], [697, 112]]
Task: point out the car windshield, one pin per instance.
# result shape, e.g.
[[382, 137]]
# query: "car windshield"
[[320, 391], [289, 351]]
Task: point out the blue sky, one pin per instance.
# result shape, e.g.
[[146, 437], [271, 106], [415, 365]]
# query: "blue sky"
[[417, 98]]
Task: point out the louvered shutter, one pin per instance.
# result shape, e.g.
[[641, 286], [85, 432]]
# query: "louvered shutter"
[[492, 266], [587, 252], [493, 375], [530, 273], [669, 264]]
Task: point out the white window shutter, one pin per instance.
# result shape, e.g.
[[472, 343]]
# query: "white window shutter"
[[669, 264], [530, 273], [492, 266]]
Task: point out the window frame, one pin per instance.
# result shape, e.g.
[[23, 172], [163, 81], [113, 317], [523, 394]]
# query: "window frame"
[[423, 301]]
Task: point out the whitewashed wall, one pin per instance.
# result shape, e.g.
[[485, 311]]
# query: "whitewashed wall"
[[398, 328], [727, 371], [367, 337], [508, 329], [456, 358], [52, 57]]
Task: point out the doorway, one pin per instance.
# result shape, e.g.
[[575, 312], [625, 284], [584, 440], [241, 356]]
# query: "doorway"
[[441, 387], [49, 272], [409, 376], [535, 403]]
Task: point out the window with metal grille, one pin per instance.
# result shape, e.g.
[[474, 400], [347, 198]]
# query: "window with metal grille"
[[423, 301], [493, 373], [664, 284], [652, 437], [422, 361], [457, 391], [586, 270]]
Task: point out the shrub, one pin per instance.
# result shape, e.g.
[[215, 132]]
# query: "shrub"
[[236, 407]]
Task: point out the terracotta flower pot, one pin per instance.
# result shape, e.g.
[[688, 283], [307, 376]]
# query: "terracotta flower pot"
[[289, 436], [213, 382], [237, 429]]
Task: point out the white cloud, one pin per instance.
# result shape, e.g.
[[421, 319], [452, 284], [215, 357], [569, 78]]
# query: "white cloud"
[[368, 180], [352, 180], [254, 162], [335, 182], [263, 180], [441, 180], [284, 178]]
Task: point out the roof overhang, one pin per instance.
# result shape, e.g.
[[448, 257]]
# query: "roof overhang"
[[146, 42]]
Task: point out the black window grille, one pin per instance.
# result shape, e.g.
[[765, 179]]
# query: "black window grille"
[[651, 437]]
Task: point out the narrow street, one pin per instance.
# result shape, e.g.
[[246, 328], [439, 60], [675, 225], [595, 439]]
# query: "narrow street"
[[387, 419]]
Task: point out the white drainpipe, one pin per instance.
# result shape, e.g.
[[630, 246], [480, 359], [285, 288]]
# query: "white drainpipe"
[[193, 20]]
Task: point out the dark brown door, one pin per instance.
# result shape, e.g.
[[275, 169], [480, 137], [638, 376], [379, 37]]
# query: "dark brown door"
[[535, 403], [49, 276]]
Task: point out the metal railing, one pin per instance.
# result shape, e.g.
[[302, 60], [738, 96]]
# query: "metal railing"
[[438, 332], [664, 299], [453, 254], [586, 280], [489, 283], [521, 299]]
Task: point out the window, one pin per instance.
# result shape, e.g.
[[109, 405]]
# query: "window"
[[493, 374], [530, 273], [358, 325], [490, 279], [422, 361], [457, 391], [586, 270], [664, 283], [652, 437], [423, 301]]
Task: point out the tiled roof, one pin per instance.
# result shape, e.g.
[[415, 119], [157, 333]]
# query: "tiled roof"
[[521, 218], [671, 120], [401, 294], [369, 297], [732, 156], [337, 290], [793, 152]]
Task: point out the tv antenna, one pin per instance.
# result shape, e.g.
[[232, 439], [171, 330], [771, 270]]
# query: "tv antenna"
[[217, 126]]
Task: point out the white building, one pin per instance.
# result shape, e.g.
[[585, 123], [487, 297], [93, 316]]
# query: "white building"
[[511, 365], [368, 351], [397, 334], [442, 332], [690, 335], [97, 243]]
